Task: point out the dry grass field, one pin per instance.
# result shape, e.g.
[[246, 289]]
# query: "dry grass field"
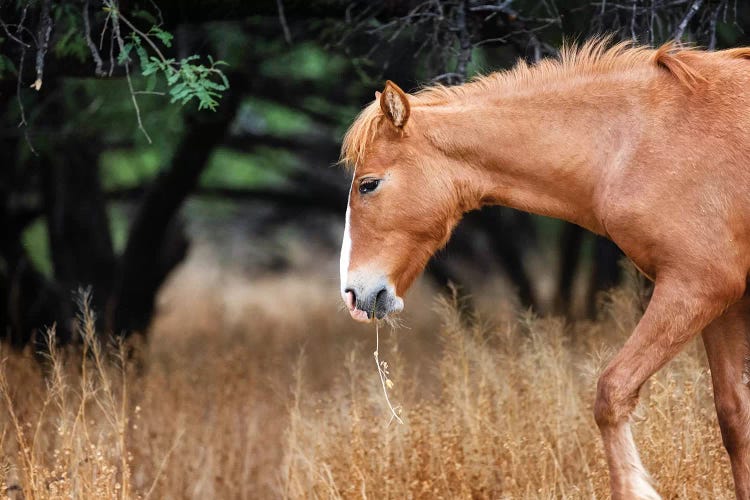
[[268, 390]]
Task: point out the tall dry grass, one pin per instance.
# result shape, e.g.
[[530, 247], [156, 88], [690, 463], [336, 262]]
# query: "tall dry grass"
[[237, 397], [510, 417]]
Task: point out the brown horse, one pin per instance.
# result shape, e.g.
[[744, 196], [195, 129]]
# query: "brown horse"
[[650, 148]]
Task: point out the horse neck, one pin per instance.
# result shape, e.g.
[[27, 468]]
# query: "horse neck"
[[547, 152]]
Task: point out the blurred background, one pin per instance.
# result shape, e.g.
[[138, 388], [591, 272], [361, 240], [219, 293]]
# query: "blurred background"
[[141, 138]]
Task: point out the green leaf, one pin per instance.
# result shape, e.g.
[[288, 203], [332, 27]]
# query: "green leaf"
[[142, 55], [164, 36], [149, 69], [224, 80], [186, 79], [124, 54], [173, 76], [215, 86]]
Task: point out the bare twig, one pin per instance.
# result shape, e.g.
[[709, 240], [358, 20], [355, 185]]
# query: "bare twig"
[[21, 61], [158, 12], [19, 80], [111, 42], [12, 36], [135, 103], [111, 50], [104, 29], [282, 20], [45, 29], [116, 33], [464, 41], [712, 25], [446, 77], [118, 16], [652, 17], [537, 46], [99, 71], [503, 7], [692, 10]]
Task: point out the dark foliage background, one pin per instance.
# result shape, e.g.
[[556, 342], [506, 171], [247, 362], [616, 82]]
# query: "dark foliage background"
[[104, 182]]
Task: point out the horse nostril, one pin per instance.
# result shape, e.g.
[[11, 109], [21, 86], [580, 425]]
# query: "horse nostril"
[[351, 298], [379, 307]]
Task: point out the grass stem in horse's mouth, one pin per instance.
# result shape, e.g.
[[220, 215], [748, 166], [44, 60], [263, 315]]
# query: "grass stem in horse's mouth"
[[385, 381]]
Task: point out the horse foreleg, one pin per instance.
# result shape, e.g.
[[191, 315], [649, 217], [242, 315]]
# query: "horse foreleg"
[[679, 309], [726, 341]]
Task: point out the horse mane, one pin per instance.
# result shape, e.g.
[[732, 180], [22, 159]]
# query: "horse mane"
[[595, 57]]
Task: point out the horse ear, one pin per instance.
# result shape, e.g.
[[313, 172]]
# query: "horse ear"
[[395, 104]]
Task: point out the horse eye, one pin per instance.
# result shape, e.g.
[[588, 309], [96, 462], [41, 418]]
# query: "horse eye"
[[368, 186]]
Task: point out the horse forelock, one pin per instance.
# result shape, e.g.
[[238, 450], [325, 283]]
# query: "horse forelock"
[[360, 135]]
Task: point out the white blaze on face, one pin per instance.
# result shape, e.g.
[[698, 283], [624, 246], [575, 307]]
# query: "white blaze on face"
[[346, 249]]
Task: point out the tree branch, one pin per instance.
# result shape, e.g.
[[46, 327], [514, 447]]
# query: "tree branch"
[[282, 20], [116, 33], [99, 71], [45, 29], [692, 10], [464, 41], [118, 16], [154, 231]]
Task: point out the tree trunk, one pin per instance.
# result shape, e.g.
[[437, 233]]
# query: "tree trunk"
[[156, 242], [78, 225]]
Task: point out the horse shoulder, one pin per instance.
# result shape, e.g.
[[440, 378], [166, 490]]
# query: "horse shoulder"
[[664, 211]]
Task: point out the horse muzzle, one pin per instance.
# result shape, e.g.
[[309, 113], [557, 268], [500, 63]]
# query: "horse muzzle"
[[364, 305]]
